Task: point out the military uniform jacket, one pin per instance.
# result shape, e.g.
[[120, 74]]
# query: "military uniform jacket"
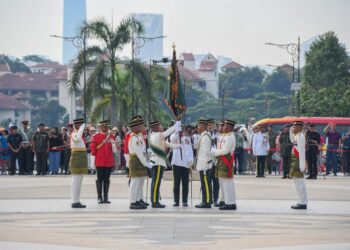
[[226, 146], [157, 139], [137, 160], [298, 154], [286, 144], [101, 147], [203, 160]]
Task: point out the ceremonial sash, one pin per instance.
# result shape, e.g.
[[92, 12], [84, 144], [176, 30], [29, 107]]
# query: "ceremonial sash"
[[295, 151], [159, 152], [229, 164]]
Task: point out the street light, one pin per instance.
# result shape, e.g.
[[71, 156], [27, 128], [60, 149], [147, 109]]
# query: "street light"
[[294, 50], [80, 43], [136, 44]]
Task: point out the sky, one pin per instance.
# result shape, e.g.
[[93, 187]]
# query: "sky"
[[234, 28]]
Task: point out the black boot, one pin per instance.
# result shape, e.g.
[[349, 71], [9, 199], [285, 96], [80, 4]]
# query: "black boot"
[[299, 206], [105, 192], [99, 192]]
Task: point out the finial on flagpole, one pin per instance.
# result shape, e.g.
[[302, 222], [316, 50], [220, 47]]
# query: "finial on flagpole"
[[174, 46]]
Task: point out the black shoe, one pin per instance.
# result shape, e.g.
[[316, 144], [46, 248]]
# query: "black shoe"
[[327, 173], [176, 204], [228, 207], [78, 205], [262, 176], [203, 205], [309, 177], [141, 204], [105, 192], [299, 206], [136, 205], [284, 177], [217, 204], [157, 205], [144, 203], [184, 204], [314, 177], [99, 200], [335, 174]]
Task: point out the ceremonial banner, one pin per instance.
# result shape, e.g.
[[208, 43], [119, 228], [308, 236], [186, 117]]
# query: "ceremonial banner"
[[174, 96]]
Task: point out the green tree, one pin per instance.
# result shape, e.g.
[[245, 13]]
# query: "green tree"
[[36, 58], [326, 80], [278, 81], [326, 62], [15, 65], [46, 115], [104, 58]]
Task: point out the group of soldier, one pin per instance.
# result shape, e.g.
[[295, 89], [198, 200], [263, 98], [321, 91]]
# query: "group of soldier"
[[214, 160]]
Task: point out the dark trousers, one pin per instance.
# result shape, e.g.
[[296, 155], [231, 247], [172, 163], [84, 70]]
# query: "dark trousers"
[[261, 159], [65, 157], [332, 159], [14, 157], [205, 186], [214, 183], [27, 158], [311, 157], [157, 175], [103, 174], [270, 162], [346, 160], [239, 160], [181, 176], [286, 165], [41, 162]]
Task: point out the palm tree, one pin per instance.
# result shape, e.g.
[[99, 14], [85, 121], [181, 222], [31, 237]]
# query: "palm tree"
[[104, 59]]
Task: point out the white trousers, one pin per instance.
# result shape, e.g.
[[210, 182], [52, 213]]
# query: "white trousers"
[[229, 191], [222, 194], [127, 157], [300, 187], [136, 189], [77, 180]]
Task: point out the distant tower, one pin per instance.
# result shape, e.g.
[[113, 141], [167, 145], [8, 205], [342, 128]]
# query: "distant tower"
[[74, 13], [153, 26]]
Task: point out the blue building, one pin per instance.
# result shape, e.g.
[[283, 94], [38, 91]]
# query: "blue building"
[[153, 26], [74, 13]]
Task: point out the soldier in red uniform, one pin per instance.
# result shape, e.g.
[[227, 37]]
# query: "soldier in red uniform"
[[102, 146]]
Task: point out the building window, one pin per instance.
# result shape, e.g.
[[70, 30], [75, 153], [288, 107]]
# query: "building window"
[[202, 84]]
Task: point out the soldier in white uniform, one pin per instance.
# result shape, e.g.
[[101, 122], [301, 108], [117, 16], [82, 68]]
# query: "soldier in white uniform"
[[181, 162], [261, 148], [298, 163], [137, 163], [225, 155], [203, 163], [159, 159], [78, 161]]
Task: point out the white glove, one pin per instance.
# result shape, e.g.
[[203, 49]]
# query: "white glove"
[[149, 151], [213, 149], [148, 165]]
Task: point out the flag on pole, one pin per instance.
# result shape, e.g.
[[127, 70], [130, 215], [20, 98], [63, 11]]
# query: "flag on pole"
[[174, 96]]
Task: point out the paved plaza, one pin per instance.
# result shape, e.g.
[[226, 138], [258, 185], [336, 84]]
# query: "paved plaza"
[[35, 213]]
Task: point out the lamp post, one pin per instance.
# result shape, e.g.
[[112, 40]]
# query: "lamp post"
[[80, 43], [294, 50], [137, 42]]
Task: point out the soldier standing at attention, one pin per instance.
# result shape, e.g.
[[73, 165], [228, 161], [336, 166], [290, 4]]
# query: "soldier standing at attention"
[[137, 163], [78, 161], [101, 146], [225, 156], [203, 163], [214, 180], [298, 163], [261, 147], [159, 159], [41, 148], [286, 149], [26, 153]]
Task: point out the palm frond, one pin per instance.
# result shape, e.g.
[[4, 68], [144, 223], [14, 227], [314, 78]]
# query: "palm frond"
[[98, 28]]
